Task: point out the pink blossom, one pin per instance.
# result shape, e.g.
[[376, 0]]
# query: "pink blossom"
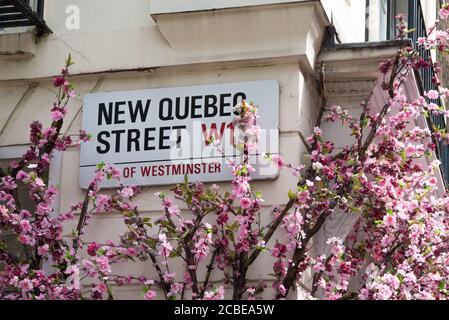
[[169, 276], [176, 288], [58, 114], [92, 248], [100, 288], [444, 13], [21, 175], [303, 196], [278, 160], [390, 220], [42, 250], [150, 295], [432, 94], [174, 210], [410, 150], [422, 41], [217, 294], [39, 183], [58, 81], [127, 192], [104, 203], [8, 183], [245, 203], [26, 239], [166, 247], [103, 265], [25, 226], [26, 285], [282, 290], [318, 132]]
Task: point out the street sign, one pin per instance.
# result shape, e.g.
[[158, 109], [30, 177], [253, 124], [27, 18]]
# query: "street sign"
[[157, 136]]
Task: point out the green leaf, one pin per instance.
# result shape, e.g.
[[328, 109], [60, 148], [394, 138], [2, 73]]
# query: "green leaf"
[[69, 61], [101, 252], [3, 246], [232, 255], [291, 195], [356, 185], [364, 122], [151, 242], [354, 209], [100, 165]]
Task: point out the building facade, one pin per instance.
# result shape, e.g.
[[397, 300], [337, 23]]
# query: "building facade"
[[149, 44]]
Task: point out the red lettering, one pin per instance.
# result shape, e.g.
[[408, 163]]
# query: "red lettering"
[[176, 169], [213, 131]]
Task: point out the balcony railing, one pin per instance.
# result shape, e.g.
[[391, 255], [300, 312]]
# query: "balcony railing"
[[23, 13], [416, 21]]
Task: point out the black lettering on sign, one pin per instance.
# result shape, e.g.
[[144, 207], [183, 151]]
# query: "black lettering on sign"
[[178, 134], [186, 105], [119, 112], [133, 138], [238, 95], [163, 137], [166, 109], [117, 134], [224, 104], [148, 139], [196, 107], [103, 113], [151, 138], [105, 143], [138, 110], [210, 106]]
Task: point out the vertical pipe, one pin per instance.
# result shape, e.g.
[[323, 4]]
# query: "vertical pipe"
[[40, 8], [367, 20]]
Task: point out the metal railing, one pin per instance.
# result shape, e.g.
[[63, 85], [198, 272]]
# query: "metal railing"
[[416, 21], [22, 13]]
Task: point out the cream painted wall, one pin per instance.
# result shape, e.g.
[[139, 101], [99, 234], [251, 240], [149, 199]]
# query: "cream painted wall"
[[348, 17], [430, 11], [117, 37]]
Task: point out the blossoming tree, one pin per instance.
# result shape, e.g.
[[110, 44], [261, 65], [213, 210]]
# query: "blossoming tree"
[[398, 247]]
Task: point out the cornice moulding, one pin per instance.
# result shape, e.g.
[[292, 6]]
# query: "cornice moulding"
[[251, 32]]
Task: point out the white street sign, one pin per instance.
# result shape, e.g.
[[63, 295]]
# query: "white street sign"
[[157, 136]]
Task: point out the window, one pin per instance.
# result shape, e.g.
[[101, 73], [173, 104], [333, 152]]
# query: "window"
[[380, 18], [8, 237], [376, 20]]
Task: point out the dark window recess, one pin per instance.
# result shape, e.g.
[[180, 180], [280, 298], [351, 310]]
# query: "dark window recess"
[[415, 19], [8, 238], [19, 13]]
